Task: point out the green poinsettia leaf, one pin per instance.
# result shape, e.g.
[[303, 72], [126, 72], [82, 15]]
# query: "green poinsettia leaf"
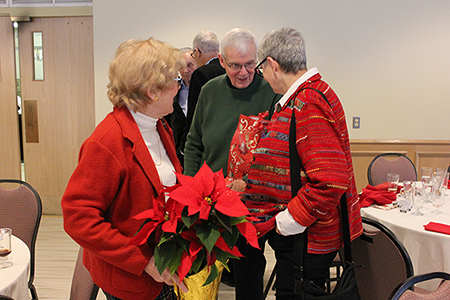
[[189, 220], [175, 261], [223, 257], [208, 234], [231, 237], [237, 220], [163, 255], [223, 219], [214, 272], [183, 243], [167, 236], [200, 262]]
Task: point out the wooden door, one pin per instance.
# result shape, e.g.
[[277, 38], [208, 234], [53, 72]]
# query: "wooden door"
[[58, 110], [9, 125]]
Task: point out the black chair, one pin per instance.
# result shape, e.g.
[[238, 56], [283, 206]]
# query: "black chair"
[[381, 259], [405, 290], [83, 288], [3, 297], [21, 210], [386, 163]]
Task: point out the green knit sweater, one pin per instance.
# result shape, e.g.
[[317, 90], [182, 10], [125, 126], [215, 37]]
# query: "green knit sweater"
[[216, 117]]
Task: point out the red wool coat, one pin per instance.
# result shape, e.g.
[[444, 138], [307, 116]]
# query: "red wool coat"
[[115, 179]]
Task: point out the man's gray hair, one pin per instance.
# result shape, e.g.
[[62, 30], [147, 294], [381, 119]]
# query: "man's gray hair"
[[206, 41], [239, 39], [186, 50], [287, 47]]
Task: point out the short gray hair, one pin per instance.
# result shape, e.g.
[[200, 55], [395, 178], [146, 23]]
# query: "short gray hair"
[[240, 39], [206, 41], [287, 47], [186, 50]]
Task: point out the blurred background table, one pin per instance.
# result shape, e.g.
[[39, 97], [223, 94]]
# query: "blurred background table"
[[14, 280], [429, 251]]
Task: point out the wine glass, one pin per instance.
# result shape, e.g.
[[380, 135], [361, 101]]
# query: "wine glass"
[[417, 203], [5, 248]]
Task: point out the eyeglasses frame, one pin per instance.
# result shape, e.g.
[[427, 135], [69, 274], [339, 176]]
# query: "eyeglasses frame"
[[240, 66], [193, 51], [258, 68]]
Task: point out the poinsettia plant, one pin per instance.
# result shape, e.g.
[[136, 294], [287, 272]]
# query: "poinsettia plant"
[[198, 223]]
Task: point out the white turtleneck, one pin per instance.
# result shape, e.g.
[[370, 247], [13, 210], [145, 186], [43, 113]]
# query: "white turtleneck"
[[147, 126]]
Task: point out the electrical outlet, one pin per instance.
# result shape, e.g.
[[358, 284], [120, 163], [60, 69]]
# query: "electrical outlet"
[[356, 122]]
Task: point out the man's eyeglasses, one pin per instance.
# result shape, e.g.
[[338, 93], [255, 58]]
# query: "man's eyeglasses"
[[193, 52], [237, 67], [259, 69]]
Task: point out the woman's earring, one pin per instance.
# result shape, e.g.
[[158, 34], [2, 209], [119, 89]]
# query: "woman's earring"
[[156, 99]]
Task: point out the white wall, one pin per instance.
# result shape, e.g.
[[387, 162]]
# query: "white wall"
[[388, 60]]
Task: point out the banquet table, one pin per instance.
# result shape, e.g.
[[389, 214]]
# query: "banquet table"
[[14, 280], [429, 251]]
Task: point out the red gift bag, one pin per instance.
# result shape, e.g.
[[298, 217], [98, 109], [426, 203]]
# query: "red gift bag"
[[243, 144]]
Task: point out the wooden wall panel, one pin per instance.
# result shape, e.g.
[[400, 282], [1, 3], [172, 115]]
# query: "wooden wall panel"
[[422, 153]]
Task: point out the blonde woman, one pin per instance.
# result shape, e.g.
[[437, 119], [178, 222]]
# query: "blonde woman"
[[122, 167]]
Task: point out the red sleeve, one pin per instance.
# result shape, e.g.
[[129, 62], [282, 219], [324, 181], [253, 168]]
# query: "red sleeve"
[[320, 150]]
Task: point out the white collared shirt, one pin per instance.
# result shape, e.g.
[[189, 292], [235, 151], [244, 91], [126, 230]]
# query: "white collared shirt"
[[310, 73], [286, 224]]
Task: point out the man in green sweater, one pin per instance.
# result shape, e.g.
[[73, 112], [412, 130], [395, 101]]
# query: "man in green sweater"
[[220, 103], [223, 99]]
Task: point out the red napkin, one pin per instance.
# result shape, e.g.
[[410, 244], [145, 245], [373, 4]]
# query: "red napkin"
[[376, 195], [437, 227]]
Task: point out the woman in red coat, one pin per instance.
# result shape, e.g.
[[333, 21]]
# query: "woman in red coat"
[[122, 168]]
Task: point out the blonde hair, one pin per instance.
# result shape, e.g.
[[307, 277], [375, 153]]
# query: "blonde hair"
[[141, 66]]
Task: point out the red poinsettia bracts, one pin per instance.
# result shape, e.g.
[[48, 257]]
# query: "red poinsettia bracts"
[[198, 224]]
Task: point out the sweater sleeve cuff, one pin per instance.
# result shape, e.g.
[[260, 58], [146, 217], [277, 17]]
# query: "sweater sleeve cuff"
[[287, 225]]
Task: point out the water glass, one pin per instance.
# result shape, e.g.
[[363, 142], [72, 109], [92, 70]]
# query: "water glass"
[[5, 247], [445, 184], [408, 190], [427, 189], [392, 180], [438, 197], [438, 179], [426, 171]]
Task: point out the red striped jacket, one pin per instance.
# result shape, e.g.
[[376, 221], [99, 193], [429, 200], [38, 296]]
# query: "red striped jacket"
[[324, 149]]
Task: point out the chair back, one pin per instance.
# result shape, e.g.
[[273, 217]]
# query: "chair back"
[[405, 290], [83, 288], [386, 163], [381, 259], [21, 210]]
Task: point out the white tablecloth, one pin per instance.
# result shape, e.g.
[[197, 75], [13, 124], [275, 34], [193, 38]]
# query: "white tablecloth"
[[429, 251], [14, 280]]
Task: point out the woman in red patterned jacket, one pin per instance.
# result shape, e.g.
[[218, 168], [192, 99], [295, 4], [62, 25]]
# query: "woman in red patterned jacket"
[[327, 173], [122, 167]]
